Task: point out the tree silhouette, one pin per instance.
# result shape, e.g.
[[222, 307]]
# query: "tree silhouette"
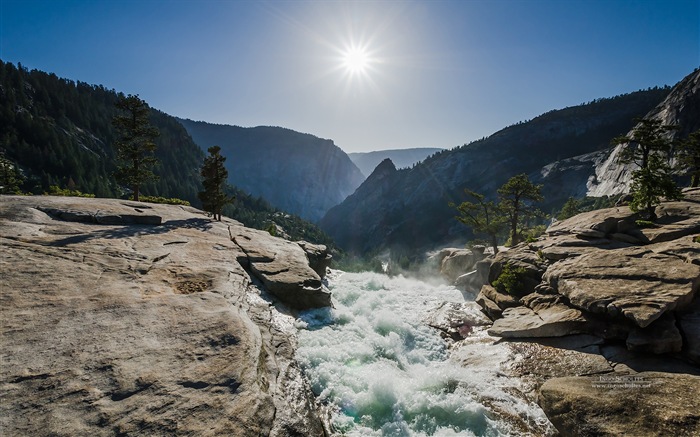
[[214, 176], [135, 146]]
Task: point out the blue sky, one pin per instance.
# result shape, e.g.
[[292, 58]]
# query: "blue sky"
[[437, 73]]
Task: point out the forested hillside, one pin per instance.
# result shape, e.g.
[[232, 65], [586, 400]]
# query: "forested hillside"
[[59, 132], [407, 209], [297, 172]]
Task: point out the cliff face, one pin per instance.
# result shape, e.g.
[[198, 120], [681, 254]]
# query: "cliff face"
[[298, 173], [681, 107], [132, 318], [601, 174], [414, 213]]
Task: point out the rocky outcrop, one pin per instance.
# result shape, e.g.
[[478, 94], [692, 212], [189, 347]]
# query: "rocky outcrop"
[[143, 329], [639, 404], [600, 273], [283, 268], [318, 255], [681, 107], [614, 300], [456, 321], [452, 263]]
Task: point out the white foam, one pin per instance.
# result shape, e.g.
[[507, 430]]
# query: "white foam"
[[391, 375]]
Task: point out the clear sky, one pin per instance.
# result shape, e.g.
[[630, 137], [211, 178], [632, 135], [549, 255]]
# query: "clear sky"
[[369, 75]]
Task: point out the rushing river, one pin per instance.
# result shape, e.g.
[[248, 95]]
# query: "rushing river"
[[384, 372]]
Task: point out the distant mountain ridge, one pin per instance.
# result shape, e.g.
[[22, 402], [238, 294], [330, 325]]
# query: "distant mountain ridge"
[[407, 210], [402, 158], [59, 132], [299, 173]]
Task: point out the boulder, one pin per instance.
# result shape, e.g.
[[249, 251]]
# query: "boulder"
[[638, 283], [456, 320], [283, 268], [318, 255], [637, 404], [458, 262], [503, 300], [473, 281], [489, 307], [520, 258], [552, 319]]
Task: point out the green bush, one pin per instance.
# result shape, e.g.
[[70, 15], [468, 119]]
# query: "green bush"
[[162, 200], [645, 224], [55, 190], [511, 280]]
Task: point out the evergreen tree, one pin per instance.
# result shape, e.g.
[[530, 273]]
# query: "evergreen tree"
[[649, 148], [571, 208], [484, 217], [689, 157], [517, 196], [214, 176], [135, 146], [10, 177]]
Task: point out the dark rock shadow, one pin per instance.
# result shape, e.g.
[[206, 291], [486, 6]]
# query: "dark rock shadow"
[[128, 231]]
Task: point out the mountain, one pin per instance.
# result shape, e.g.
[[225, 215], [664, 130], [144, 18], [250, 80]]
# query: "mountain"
[[407, 210], [599, 173], [59, 132], [296, 172], [368, 161]]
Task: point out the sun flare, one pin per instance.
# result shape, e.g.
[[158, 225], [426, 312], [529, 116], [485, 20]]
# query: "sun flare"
[[356, 60]]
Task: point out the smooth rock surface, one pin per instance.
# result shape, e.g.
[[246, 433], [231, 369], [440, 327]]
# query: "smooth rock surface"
[[641, 283], [282, 267], [640, 405], [139, 329]]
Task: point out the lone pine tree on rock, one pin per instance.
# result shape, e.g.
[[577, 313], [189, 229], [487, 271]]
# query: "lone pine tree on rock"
[[135, 146], [484, 217], [214, 176], [517, 196], [649, 148]]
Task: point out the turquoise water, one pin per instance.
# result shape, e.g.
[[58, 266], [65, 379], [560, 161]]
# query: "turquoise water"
[[386, 373]]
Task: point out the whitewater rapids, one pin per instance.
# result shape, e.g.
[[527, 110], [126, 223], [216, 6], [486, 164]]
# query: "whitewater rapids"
[[384, 372]]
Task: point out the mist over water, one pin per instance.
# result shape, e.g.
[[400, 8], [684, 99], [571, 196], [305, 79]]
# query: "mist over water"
[[386, 373]]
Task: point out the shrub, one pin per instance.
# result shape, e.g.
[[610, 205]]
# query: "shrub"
[[55, 190], [162, 200], [511, 280]]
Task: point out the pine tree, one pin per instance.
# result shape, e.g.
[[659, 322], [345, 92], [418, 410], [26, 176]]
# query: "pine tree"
[[689, 157], [517, 196], [10, 177], [649, 148], [484, 217], [135, 146], [214, 176]]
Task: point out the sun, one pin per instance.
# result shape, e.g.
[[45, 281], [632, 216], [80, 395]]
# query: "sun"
[[356, 60]]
